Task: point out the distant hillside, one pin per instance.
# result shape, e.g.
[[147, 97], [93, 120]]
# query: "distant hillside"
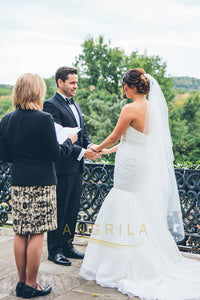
[[186, 84], [6, 86], [182, 84]]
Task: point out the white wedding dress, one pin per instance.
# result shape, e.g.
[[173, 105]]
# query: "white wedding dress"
[[131, 248]]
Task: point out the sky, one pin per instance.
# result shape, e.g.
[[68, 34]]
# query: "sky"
[[38, 36]]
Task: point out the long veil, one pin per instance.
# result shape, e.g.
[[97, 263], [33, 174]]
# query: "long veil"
[[160, 171]]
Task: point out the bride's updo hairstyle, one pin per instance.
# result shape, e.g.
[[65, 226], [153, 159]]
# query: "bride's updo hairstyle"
[[136, 78]]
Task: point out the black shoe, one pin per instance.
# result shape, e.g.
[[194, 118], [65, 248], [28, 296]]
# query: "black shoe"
[[19, 288], [59, 259], [29, 292], [73, 253]]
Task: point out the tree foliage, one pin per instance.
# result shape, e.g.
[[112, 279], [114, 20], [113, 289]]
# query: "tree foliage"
[[51, 87], [5, 105], [185, 128], [102, 66], [5, 89]]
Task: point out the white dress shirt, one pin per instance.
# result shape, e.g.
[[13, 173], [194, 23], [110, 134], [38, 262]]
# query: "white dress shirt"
[[76, 115]]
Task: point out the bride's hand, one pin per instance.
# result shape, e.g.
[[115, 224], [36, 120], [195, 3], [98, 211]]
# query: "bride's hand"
[[95, 148], [105, 151]]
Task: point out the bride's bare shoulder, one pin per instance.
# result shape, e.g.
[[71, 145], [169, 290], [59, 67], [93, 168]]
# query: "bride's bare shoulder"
[[131, 107], [135, 106]]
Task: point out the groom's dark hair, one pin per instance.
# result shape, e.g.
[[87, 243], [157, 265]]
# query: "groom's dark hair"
[[63, 72]]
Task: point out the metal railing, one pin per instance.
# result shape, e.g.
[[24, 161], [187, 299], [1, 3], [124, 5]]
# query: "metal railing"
[[97, 182]]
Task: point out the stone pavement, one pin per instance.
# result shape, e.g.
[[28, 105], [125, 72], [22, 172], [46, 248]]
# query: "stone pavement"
[[65, 281]]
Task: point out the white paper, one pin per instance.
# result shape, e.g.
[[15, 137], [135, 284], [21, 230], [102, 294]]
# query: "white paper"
[[64, 132]]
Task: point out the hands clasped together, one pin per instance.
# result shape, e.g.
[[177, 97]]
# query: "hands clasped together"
[[93, 152]]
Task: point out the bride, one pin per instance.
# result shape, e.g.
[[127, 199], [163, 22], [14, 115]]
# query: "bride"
[[133, 242]]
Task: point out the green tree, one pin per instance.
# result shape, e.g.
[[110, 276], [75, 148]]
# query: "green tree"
[[5, 105], [5, 92], [100, 113], [191, 110], [101, 66], [191, 114], [185, 128], [51, 87], [5, 89], [154, 66], [178, 130]]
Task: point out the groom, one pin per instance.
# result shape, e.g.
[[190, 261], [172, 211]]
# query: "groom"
[[69, 170]]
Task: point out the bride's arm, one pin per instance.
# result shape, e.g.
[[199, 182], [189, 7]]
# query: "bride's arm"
[[110, 150], [124, 121]]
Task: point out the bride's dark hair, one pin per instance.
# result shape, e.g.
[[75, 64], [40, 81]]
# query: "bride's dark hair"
[[136, 78]]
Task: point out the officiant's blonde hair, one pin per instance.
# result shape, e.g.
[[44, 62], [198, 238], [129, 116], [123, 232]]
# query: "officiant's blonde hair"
[[29, 92]]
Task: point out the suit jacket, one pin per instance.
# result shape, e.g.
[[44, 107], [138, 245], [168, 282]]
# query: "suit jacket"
[[63, 115], [28, 140]]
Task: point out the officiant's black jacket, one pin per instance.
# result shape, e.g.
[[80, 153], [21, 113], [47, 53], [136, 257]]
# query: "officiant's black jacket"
[[63, 115], [28, 140]]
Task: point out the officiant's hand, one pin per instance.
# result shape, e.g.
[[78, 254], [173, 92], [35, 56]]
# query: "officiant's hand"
[[90, 154], [73, 138]]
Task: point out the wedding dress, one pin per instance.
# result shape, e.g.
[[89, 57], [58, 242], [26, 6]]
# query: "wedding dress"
[[132, 246]]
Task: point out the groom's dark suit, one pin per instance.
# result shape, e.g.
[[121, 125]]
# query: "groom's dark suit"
[[69, 172]]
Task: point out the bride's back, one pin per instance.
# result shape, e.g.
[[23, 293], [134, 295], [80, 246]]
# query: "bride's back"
[[138, 112]]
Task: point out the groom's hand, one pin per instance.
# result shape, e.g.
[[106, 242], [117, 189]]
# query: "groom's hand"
[[90, 154]]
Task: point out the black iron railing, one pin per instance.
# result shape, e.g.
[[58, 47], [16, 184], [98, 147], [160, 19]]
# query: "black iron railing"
[[97, 182], [5, 196]]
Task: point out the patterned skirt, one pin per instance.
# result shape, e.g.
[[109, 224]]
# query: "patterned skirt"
[[34, 209]]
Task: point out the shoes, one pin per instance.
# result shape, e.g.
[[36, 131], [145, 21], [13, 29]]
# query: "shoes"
[[29, 292], [73, 253], [19, 288], [59, 259]]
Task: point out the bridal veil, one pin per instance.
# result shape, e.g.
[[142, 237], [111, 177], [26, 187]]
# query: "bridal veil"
[[161, 180]]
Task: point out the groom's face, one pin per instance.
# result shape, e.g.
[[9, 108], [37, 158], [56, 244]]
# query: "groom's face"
[[69, 87]]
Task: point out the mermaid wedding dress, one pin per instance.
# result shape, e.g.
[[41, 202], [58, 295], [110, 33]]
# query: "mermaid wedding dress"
[[132, 246]]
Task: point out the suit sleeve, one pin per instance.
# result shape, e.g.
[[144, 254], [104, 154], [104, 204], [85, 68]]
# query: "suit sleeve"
[[52, 149], [4, 149]]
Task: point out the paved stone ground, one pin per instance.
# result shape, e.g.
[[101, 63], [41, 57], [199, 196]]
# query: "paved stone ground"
[[66, 282]]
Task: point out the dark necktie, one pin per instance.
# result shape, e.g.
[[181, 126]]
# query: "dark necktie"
[[70, 100]]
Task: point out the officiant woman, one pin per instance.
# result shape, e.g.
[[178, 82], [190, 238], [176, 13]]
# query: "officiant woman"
[[28, 141]]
